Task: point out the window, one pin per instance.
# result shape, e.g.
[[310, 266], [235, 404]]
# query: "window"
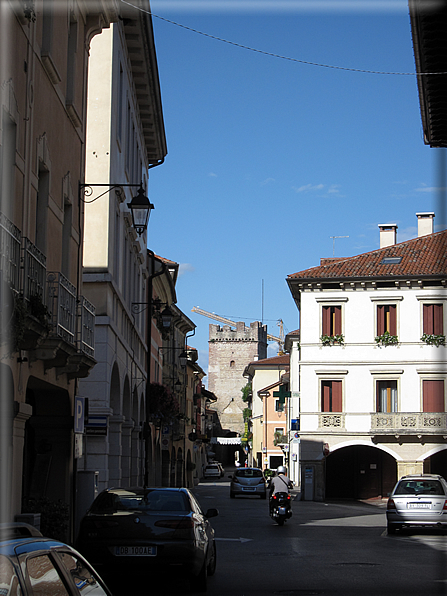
[[82, 575], [433, 395], [432, 319], [331, 396], [279, 407], [386, 319], [331, 320], [232, 364], [44, 577], [386, 396]]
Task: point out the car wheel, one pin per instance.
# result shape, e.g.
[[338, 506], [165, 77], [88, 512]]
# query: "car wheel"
[[199, 583], [264, 496], [232, 495], [213, 560]]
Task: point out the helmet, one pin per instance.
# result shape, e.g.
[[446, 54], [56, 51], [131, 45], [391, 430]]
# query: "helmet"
[[281, 470]]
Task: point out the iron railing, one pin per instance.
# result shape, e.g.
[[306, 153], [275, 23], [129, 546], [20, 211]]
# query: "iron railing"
[[62, 306], [86, 319], [10, 242], [34, 265]]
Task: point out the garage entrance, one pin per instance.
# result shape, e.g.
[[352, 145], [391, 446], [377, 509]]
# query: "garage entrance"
[[359, 472]]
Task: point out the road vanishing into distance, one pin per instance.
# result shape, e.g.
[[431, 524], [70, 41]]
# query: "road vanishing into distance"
[[325, 549]]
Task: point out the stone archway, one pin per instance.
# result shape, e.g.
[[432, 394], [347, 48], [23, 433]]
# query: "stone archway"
[[115, 424], [179, 469], [359, 472], [10, 470], [436, 463], [48, 449], [165, 467], [172, 469]]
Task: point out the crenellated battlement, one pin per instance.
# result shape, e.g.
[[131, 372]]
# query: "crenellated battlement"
[[256, 332]]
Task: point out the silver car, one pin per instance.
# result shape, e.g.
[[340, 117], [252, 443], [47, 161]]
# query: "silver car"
[[248, 481], [417, 500]]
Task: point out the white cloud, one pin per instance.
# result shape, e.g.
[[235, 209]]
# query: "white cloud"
[[212, 175], [429, 189], [185, 268], [308, 188], [267, 181]]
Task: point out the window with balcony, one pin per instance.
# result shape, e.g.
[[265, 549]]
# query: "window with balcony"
[[433, 395], [432, 319], [331, 396], [386, 396], [331, 321]]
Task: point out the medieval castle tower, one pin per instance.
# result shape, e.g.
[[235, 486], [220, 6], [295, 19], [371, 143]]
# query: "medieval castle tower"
[[230, 350]]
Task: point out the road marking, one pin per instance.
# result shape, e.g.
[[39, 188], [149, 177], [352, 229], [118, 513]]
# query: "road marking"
[[234, 539]]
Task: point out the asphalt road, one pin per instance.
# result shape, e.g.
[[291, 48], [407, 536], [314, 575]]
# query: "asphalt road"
[[328, 549]]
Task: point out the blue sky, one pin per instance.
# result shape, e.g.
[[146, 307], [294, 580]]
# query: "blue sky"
[[269, 158]]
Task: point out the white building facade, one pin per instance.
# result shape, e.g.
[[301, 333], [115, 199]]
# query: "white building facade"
[[125, 139], [370, 366]]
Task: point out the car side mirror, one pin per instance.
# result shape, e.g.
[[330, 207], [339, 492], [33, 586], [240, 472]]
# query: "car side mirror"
[[211, 513]]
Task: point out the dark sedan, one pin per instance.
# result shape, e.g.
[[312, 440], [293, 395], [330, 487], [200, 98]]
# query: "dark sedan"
[[150, 529]]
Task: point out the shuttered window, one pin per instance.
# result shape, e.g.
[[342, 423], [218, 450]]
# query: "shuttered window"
[[386, 319], [331, 396], [331, 320], [433, 396], [433, 323]]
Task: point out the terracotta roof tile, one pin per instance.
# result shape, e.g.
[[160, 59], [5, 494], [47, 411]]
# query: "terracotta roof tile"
[[423, 256]]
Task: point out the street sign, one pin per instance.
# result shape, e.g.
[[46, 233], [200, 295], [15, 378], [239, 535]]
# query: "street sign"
[[96, 425], [79, 414]]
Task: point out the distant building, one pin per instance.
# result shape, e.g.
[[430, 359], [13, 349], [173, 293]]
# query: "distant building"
[[230, 350], [269, 420]]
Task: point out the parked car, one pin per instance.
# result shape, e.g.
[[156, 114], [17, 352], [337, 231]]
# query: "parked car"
[[417, 500], [211, 470], [33, 565], [151, 530], [248, 481]]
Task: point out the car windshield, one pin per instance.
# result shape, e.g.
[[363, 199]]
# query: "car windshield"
[[418, 487], [153, 500], [247, 473]]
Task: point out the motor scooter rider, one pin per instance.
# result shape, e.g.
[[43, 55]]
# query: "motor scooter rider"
[[279, 483]]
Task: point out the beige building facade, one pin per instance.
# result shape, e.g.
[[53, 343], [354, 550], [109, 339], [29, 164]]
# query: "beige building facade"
[[47, 327]]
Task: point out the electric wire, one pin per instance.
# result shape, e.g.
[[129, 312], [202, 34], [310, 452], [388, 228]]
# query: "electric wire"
[[281, 57]]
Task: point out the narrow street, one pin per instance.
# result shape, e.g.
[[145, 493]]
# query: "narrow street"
[[338, 548]]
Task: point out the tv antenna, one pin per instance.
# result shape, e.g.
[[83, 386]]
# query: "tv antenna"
[[333, 242]]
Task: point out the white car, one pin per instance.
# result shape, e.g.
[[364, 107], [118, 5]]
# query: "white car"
[[211, 471]]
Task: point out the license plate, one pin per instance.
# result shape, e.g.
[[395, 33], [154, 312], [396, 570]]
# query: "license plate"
[[281, 510], [418, 505], [249, 489], [136, 551]]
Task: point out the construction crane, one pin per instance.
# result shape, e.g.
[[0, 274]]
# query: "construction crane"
[[211, 315]]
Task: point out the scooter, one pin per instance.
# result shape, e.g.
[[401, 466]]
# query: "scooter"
[[281, 507]]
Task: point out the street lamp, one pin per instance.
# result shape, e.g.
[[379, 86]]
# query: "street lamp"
[[140, 208]]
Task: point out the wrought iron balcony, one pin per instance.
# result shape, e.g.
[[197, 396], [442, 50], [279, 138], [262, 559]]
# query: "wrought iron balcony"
[[55, 324]]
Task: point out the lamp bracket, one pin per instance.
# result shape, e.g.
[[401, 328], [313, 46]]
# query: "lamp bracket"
[[86, 190]]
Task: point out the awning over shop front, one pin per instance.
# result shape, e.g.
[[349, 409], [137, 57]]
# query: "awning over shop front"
[[226, 440]]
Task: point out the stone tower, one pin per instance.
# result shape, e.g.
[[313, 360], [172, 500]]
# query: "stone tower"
[[230, 350]]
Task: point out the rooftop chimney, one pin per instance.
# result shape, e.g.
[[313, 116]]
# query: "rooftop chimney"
[[388, 234], [425, 223]]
